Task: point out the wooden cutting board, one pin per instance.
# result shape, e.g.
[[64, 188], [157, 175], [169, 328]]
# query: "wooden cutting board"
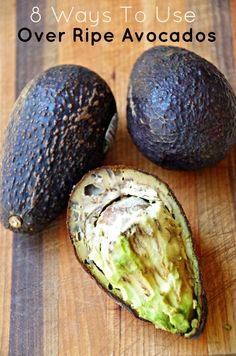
[[48, 305]]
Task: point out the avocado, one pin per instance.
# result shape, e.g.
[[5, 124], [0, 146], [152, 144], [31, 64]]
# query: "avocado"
[[60, 127], [131, 235], [181, 111]]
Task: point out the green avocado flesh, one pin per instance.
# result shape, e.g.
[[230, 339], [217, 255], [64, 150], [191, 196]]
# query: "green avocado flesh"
[[138, 246]]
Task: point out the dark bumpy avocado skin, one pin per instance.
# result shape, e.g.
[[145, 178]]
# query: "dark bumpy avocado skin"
[[55, 134], [181, 110]]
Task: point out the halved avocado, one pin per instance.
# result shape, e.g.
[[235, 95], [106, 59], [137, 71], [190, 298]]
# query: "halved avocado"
[[131, 234]]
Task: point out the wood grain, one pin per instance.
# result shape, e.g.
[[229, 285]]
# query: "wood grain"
[[48, 305], [7, 98]]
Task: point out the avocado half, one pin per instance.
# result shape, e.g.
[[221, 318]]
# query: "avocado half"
[[60, 127], [132, 236], [181, 110]]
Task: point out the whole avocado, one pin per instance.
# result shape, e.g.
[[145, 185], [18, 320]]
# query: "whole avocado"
[[181, 110], [58, 130]]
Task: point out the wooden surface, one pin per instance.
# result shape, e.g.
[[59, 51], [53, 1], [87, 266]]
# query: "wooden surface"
[[48, 305]]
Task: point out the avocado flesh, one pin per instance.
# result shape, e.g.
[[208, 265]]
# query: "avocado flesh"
[[138, 246]]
